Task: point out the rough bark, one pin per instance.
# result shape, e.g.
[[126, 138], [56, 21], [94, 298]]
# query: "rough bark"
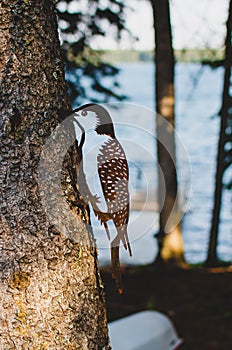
[[226, 105], [51, 295], [169, 248]]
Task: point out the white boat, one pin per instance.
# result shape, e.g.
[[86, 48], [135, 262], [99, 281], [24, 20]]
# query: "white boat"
[[145, 330]]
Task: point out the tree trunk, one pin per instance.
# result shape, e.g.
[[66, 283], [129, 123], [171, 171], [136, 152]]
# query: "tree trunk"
[[170, 248], [226, 102], [51, 295]]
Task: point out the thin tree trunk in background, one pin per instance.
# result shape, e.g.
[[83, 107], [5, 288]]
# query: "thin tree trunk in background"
[[170, 245], [226, 98], [51, 295]]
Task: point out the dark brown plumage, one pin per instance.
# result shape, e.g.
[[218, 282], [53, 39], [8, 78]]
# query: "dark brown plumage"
[[114, 176], [113, 173]]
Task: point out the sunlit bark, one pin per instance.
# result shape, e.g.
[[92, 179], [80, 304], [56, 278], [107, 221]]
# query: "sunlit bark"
[[169, 248], [51, 295]]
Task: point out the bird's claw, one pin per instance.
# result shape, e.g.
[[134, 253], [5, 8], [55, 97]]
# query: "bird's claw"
[[94, 200], [103, 218]]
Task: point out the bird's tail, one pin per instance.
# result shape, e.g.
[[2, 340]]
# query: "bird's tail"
[[115, 258], [115, 264]]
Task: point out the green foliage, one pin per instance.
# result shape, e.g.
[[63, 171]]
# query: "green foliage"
[[80, 23]]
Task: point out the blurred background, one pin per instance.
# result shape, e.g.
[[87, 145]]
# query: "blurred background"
[[110, 49]]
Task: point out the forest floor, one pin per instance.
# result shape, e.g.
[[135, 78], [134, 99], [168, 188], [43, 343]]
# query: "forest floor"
[[197, 300]]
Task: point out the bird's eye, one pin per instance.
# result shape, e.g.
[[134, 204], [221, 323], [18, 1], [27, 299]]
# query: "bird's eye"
[[83, 113]]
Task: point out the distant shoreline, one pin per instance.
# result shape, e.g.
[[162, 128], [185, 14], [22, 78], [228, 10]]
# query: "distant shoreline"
[[193, 55]]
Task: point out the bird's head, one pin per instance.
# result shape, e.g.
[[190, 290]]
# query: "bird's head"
[[94, 117]]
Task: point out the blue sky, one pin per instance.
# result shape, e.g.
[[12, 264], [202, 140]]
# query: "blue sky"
[[196, 23]]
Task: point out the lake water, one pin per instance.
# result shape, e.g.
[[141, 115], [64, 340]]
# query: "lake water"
[[198, 99]]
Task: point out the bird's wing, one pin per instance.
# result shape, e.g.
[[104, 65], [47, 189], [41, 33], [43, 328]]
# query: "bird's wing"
[[114, 175]]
